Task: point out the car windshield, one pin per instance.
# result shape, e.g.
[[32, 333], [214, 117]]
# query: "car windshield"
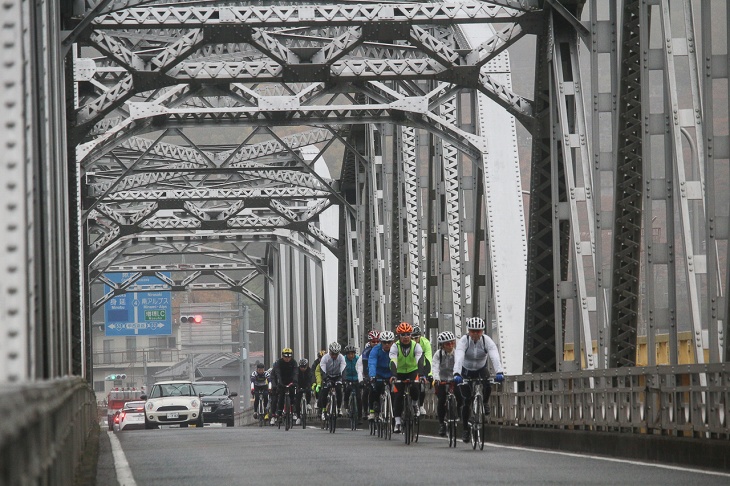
[[212, 390], [172, 390]]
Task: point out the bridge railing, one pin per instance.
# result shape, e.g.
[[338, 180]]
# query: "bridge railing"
[[47, 432], [682, 401]]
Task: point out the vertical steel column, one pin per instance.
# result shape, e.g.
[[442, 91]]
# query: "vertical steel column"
[[690, 186], [377, 230], [544, 318], [413, 241], [578, 175], [452, 206], [631, 160], [603, 48], [16, 142]]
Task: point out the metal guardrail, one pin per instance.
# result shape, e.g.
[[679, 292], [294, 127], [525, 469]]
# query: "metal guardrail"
[[680, 401], [44, 431]]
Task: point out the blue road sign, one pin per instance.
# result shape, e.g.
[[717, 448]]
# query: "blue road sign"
[[141, 313]]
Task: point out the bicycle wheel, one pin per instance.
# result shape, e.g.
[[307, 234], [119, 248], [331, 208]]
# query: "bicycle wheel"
[[406, 417], [451, 419], [303, 410], [416, 427], [333, 413], [287, 412], [474, 421], [388, 417], [352, 408], [261, 412], [480, 424]]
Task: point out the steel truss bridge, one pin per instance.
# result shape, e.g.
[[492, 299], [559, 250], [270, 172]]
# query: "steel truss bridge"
[[349, 165]]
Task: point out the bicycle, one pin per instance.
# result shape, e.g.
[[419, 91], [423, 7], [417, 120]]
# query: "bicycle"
[[286, 413], [478, 413], [452, 414], [260, 411], [303, 404], [385, 417], [330, 419], [353, 412], [410, 420]]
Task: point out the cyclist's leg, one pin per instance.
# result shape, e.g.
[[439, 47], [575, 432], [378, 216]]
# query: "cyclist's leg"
[[338, 391], [349, 390], [322, 399], [465, 390], [375, 390], [358, 401], [280, 400]]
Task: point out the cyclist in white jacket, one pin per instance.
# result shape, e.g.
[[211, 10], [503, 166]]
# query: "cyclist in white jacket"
[[332, 366], [470, 361]]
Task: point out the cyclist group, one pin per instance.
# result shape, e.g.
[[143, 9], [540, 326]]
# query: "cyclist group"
[[404, 356]]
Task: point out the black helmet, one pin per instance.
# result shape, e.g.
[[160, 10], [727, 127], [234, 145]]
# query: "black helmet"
[[259, 365]]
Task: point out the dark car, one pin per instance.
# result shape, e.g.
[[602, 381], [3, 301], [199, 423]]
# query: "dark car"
[[217, 403]]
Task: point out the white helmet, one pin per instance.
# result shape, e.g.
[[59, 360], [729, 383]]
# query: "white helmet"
[[446, 336], [335, 347], [475, 323], [387, 336]]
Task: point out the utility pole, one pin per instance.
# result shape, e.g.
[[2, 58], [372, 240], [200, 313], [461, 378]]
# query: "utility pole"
[[246, 391]]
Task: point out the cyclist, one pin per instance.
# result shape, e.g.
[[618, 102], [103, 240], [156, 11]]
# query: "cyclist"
[[352, 374], [443, 366], [406, 360], [259, 388], [304, 386], [331, 368], [317, 372], [285, 372], [470, 361], [426, 346], [373, 339], [379, 370]]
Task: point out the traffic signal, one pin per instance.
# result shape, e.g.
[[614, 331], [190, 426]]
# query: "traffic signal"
[[192, 319], [116, 376]]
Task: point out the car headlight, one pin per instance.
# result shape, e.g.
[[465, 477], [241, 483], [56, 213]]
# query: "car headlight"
[[149, 406], [194, 404], [226, 403]]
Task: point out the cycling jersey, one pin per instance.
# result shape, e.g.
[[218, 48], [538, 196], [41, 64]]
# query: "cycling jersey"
[[305, 378], [406, 359], [426, 346], [473, 355], [260, 379], [442, 365], [353, 369], [332, 368], [379, 363]]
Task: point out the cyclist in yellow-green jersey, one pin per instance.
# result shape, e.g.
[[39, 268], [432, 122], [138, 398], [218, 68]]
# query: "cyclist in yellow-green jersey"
[[406, 361]]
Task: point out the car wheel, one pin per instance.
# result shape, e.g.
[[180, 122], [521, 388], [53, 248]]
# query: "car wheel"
[[200, 423], [230, 423], [184, 424], [149, 425]]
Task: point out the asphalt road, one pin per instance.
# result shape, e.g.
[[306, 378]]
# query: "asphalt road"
[[263, 456]]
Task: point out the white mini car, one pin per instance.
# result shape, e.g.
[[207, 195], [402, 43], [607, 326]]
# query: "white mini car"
[[172, 402], [130, 417]]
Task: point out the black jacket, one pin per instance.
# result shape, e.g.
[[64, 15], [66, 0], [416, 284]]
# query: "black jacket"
[[305, 378], [285, 373]]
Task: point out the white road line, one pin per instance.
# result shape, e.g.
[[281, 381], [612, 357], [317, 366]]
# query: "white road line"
[[600, 458], [124, 473]]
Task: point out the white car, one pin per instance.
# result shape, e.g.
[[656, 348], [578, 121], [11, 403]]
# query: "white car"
[[172, 402], [130, 417]]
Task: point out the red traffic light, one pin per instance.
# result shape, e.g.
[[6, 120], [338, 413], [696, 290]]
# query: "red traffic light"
[[196, 319]]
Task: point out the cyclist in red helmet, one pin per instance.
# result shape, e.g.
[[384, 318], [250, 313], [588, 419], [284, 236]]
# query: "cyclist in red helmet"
[[373, 340], [406, 362]]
